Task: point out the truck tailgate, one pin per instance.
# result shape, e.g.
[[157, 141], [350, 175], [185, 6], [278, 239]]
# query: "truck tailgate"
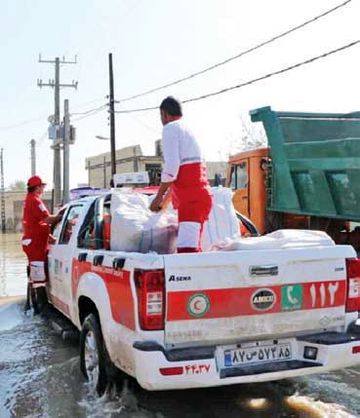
[[241, 295]]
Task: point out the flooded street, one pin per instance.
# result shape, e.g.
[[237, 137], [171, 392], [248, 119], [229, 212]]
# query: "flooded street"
[[40, 376]]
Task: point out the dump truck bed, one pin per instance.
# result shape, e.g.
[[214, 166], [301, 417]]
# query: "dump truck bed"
[[315, 162]]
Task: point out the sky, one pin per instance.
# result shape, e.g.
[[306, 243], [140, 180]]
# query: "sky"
[[155, 42]]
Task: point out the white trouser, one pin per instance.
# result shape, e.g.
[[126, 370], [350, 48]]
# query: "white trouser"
[[188, 235]]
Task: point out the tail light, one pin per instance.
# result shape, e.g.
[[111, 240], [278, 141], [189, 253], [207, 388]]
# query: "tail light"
[[150, 290], [353, 279]]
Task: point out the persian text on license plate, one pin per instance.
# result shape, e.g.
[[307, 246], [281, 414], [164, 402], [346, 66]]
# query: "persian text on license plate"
[[257, 354]]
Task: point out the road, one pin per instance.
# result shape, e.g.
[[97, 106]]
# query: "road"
[[40, 377]]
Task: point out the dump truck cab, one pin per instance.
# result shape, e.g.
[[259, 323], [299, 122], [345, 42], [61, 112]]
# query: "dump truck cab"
[[246, 176]]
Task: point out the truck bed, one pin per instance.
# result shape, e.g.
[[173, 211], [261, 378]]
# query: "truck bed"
[[315, 162]]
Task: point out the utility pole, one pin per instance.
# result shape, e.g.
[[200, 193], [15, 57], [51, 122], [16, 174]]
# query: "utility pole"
[[104, 173], [2, 188], [112, 121], [55, 84], [33, 157], [66, 191]]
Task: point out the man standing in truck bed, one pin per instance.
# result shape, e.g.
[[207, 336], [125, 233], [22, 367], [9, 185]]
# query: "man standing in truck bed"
[[185, 172]]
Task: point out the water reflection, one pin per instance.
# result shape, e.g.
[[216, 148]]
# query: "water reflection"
[[12, 266]]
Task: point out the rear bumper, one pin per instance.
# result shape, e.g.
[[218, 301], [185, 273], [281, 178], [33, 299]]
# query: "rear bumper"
[[198, 367]]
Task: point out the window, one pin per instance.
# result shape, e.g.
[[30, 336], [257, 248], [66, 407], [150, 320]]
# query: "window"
[[87, 231], [69, 223], [232, 178], [154, 171], [56, 230], [239, 176]]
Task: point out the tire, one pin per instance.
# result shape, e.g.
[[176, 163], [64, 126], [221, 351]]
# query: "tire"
[[93, 356]]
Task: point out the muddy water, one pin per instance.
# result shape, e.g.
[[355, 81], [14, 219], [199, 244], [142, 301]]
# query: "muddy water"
[[40, 377], [12, 266]]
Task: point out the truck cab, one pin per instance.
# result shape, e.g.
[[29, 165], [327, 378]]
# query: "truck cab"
[[246, 176]]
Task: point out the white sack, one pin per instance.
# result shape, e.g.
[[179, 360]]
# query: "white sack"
[[281, 239], [223, 223], [134, 228]]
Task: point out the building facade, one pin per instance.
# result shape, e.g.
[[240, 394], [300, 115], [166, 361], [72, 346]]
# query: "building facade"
[[128, 160], [14, 208], [131, 159]]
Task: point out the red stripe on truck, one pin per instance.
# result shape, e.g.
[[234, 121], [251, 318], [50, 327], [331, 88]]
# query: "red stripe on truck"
[[118, 287], [226, 303], [62, 306]]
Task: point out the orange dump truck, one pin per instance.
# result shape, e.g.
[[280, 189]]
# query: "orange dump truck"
[[308, 177]]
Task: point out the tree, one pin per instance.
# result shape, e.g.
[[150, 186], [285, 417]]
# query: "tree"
[[18, 185], [252, 136], [248, 136]]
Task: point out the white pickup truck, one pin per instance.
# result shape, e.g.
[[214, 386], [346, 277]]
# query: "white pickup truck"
[[179, 321]]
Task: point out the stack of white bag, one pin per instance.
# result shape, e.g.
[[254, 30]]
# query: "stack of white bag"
[[223, 223], [134, 228]]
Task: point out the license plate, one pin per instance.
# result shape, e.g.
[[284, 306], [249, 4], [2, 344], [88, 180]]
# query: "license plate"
[[257, 354]]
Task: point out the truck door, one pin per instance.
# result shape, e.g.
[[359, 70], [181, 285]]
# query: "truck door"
[[239, 183], [60, 259]]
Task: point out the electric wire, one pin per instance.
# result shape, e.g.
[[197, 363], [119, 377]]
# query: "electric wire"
[[144, 125], [253, 81], [89, 113], [93, 111], [42, 138], [241, 54], [86, 112], [26, 122], [20, 124]]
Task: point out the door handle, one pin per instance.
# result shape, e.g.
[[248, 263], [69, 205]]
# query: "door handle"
[[97, 260], [268, 270], [82, 256]]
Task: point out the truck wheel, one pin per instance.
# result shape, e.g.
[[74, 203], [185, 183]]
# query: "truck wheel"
[[92, 354]]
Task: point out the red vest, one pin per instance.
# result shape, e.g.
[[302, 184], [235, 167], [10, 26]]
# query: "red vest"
[[191, 193]]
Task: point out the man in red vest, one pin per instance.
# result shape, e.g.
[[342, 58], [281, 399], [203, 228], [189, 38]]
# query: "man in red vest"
[[36, 224], [184, 171]]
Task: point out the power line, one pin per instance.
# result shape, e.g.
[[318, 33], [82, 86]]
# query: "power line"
[[44, 116], [86, 112], [42, 138], [251, 49], [90, 113], [143, 124], [253, 81], [241, 54], [91, 102], [26, 122], [18, 125]]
